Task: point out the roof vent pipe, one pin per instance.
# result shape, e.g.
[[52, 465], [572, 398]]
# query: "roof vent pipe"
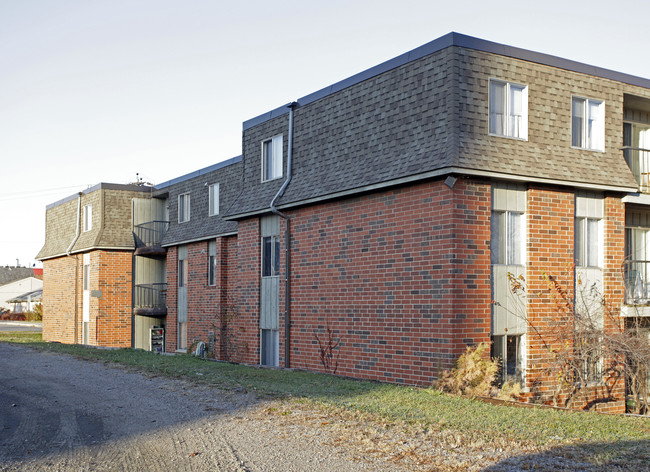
[[287, 245]]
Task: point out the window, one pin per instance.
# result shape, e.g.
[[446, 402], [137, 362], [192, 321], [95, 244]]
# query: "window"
[[212, 263], [183, 207], [272, 159], [183, 272], [86, 273], [87, 218], [510, 352], [588, 124], [213, 197], [508, 109], [270, 256], [507, 242], [637, 265], [589, 349], [587, 245]]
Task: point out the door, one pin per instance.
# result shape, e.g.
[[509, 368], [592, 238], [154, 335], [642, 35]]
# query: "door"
[[85, 307]]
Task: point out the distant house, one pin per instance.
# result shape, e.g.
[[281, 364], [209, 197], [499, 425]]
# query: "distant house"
[[18, 288], [26, 301]]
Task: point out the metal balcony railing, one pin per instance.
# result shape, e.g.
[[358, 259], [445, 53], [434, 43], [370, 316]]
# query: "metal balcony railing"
[[150, 296], [151, 232], [638, 160], [637, 282]]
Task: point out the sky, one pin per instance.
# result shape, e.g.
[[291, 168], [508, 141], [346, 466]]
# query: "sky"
[[115, 90]]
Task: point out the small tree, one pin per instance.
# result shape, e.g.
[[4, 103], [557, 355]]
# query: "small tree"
[[587, 340], [225, 331], [328, 349]]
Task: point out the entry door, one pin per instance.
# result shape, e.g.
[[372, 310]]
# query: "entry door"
[[85, 307], [270, 291], [183, 279]]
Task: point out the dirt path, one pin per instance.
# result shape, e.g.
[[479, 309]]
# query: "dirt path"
[[61, 413]]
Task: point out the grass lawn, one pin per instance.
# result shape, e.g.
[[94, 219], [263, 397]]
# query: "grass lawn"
[[602, 438]]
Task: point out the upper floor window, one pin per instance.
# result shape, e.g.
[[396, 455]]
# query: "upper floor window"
[[588, 123], [272, 159], [213, 197], [183, 207], [508, 109], [87, 217]]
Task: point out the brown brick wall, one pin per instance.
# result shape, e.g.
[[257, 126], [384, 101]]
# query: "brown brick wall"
[[61, 303], [110, 314]]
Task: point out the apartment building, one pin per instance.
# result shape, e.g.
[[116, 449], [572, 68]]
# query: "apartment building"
[[88, 266], [373, 228]]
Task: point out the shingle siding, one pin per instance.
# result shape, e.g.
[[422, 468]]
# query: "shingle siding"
[[429, 115], [201, 225]]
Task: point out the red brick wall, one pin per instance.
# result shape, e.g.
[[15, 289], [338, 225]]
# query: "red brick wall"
[[204, 301], [550, 247], [551, 221], [110, 314], [111, 273], [382, 272], [171, 332]]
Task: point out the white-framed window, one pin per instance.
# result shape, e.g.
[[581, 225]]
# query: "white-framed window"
[[272, 158], [270, 256], [588, 123], [507, 238], [212, 263], [508, 103], [87, 217], [213, 200], [588, 243], [184, 207]]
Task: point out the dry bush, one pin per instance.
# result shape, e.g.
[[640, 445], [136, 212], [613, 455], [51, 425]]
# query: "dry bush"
[[36, 314], [473, 374]]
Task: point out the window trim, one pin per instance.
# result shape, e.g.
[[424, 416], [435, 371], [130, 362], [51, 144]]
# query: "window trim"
[[585, 125], [508, 83], [186, 194], [211, 198], [263, 159]]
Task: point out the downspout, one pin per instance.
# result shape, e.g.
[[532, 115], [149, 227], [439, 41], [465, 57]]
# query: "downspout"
[[76, 269], [287, 234], [78, 230]]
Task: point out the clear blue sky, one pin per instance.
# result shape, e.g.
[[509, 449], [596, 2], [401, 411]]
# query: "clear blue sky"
[[97, 91]]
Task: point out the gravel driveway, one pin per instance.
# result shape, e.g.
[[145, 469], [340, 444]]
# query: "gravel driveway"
[[61, 413]]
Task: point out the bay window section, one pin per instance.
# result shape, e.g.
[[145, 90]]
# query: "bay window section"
[[508, 261]]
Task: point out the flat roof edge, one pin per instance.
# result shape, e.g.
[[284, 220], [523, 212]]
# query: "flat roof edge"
[[198, 173], [100, 186], [461, 40]]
